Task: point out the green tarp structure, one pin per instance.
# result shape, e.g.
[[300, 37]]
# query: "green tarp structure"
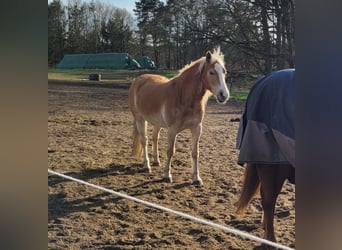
[[146, 62], [98, 61]]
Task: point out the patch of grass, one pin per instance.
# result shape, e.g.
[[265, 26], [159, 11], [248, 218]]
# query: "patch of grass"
[[122, 75], [238, 96], [79, 74], [168, 73], [163, 72]]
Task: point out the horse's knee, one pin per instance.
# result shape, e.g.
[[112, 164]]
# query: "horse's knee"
[[144, 140]]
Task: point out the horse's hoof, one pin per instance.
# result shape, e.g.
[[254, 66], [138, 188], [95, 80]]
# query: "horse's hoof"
[[156, 163], [147, 167], [197, 183], [167, 179]]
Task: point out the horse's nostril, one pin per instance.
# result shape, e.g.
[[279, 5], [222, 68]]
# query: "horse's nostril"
[[222, 95]]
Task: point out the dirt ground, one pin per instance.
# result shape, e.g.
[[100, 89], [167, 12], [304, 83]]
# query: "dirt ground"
[[89, 137]]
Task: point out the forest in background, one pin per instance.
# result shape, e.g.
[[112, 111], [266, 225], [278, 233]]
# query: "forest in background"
[[256, 36]]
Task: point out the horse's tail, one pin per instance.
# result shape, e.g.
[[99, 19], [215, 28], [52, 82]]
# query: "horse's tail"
[[251, 186], [137, 146]]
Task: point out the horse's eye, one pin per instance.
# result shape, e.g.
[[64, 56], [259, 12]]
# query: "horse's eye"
[[211, 73]]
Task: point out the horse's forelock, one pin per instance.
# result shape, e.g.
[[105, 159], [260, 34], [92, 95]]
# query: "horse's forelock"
[[216, 56]]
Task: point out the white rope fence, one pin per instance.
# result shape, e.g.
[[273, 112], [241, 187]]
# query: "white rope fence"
[[187, 216]]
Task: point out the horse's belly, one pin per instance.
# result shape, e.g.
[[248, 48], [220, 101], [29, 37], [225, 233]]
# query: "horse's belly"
[[156, 120], [191, 122]]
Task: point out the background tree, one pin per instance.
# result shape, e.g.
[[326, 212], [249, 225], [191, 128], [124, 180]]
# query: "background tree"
[[149, 14], [81, 27], [116, 33], [76, 33], [257, 36], [56, 32]]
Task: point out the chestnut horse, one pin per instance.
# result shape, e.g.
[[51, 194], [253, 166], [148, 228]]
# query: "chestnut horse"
[[176, 104], [266, 140]]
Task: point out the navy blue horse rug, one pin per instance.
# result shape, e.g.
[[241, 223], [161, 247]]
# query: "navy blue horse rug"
[[267, 127]]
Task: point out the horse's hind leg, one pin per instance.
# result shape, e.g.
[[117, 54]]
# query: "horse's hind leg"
[[155, 136], [141, 126], [196, 133], [272, 179], [170, 152]]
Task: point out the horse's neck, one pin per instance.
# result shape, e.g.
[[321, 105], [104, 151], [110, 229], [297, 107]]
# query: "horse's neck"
[[190, 88]]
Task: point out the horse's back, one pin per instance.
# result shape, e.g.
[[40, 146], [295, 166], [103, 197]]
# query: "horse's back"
[[267, 132], [149, 80], [147, 94], [146, 85]]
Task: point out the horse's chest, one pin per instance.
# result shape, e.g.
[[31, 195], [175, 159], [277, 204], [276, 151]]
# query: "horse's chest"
[[189, 118]]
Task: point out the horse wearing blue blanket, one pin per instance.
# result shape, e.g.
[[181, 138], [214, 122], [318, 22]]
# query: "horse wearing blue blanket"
[[266, 140]]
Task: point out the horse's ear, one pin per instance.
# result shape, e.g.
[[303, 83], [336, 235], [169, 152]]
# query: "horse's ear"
[[208, 56]]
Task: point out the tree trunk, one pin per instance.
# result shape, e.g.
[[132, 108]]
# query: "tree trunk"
[[266, 37]]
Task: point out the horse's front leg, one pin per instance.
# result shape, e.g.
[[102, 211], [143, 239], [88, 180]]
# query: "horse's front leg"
[[196, 134], [170, 152], [155, 136]]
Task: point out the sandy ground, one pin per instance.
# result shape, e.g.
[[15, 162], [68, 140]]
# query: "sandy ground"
[[89, 137]]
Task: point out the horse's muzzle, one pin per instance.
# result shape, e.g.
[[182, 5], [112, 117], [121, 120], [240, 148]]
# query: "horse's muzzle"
[[222, 97]]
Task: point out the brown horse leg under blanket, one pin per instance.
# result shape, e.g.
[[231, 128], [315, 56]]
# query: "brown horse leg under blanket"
[[271, 178]]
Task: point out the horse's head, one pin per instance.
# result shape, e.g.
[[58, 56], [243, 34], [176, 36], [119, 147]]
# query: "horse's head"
[[214, 74]]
